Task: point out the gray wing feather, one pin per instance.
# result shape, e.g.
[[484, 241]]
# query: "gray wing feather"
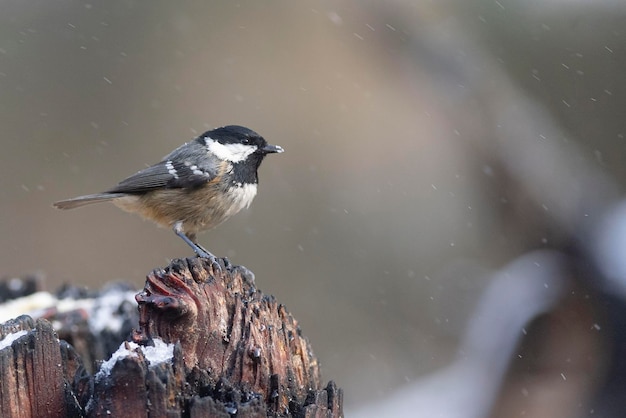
[[188, 166], [156, 176]]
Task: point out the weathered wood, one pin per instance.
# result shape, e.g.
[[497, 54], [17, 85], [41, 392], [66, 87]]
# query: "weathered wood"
[[99, 322], [224, 324], [208, 344], [230, 332], [37, 372]]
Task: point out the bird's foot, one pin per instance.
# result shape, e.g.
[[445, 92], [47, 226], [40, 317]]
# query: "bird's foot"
[[202, 253]]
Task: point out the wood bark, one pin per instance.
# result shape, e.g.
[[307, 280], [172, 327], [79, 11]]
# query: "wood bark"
[[233, 352]]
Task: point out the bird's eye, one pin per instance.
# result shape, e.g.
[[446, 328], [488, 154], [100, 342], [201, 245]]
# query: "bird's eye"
[[246, 141]]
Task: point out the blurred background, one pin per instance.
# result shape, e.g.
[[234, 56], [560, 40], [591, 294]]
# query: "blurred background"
[[428, 144]]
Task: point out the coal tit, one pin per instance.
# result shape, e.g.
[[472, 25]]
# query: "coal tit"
[[196, 187]]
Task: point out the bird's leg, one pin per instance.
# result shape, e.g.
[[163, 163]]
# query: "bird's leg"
[[197, 248], [189, 239]]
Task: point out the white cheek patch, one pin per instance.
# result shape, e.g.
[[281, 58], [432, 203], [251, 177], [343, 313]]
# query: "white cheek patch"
[[235, 153]]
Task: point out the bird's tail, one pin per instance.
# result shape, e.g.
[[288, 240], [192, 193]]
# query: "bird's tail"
[[86, 200]]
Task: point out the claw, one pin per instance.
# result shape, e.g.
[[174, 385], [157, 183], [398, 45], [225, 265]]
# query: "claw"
[[203, 253], [215, 265]]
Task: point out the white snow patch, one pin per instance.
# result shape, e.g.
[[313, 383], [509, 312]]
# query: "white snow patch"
[[8, 340], [104, 313], [159, 353], [26, 305], [126, 349]]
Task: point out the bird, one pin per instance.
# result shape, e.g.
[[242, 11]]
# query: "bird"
[[194, 188]]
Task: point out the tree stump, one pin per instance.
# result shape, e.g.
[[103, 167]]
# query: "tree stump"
[[208, 344]]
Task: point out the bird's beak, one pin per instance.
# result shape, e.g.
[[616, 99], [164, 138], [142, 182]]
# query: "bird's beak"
[[270, 149]]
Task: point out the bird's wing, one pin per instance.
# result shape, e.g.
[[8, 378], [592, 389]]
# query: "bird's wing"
[[186, 167]]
